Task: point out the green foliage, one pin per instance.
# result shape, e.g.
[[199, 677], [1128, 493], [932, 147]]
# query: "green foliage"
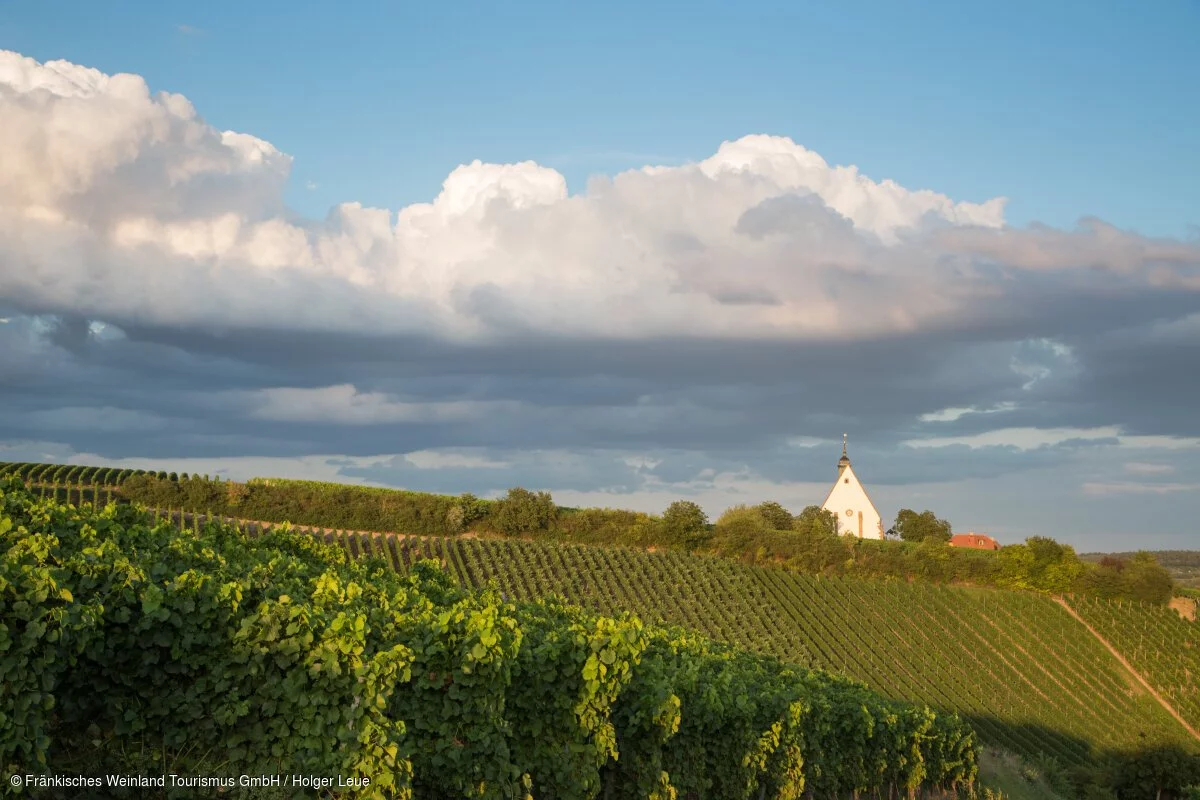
[[1154, 773], [1182, 565], [607, 526], [523, 512], [197, 640], [1028, 676], [685, 523], [913, 527], [473, 509], [815, 520], [456, 519], [776, 516], [1038, 565], [742, 520], [565, 688], [189, 493], [327, 505], [280, 655], [1146, 581], [1106, 579]]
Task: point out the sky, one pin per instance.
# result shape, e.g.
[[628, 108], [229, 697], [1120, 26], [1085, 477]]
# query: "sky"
[[626, 254]]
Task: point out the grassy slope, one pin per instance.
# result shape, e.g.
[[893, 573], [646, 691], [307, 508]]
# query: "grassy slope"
[[1004, 772]]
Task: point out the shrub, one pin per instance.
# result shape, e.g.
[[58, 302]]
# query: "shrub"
[[742, 520], [524, 512], [1145, 580], [815, 520], [913, 527], [685, 523], [473, 509], [776, 516]]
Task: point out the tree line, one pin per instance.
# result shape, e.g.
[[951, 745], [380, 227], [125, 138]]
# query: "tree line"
[[767, 533]]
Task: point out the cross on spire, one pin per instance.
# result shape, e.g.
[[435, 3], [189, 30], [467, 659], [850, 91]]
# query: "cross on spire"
[[844, 444]]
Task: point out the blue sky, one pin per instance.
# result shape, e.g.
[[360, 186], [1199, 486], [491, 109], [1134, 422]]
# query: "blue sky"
[[966, 235]]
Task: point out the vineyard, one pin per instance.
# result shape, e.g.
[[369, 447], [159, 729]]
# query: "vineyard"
[[1027, 676], [71, 475], [275, 654], [1160, 644], [1016, 665]]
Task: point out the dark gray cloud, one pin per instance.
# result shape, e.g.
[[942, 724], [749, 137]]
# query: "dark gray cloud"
[[735, 400]]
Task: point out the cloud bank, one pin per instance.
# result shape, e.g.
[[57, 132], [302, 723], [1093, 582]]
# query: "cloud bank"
[[127, 206]]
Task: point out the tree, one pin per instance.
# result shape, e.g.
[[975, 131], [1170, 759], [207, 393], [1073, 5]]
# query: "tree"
[[1040, 564], [913, 527], [685, 523], [472, 508], [455, 517], [1056, 567], [235, 493], [1145, 580], [814, 519], [1105, 579], [523, 511], [776, 516], [743, 519], [1155, 772]]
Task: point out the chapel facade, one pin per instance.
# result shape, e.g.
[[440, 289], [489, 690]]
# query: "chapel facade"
[[848, 500]]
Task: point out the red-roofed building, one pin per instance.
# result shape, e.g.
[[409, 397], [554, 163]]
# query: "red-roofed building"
[[976, 541]]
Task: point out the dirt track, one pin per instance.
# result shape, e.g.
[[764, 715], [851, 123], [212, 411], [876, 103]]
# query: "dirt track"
[[1170, 709]]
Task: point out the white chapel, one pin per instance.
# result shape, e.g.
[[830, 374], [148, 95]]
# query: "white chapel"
[[848, 501]]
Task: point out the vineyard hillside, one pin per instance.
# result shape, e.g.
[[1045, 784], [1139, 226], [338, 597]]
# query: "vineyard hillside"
[[1026, 675], [1161, 645], [1018, 666], [129, 644]]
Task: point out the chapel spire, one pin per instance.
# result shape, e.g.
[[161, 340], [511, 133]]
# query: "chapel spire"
[[844, 461]]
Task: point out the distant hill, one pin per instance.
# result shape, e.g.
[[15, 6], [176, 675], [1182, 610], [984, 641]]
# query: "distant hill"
[[1184, 565]]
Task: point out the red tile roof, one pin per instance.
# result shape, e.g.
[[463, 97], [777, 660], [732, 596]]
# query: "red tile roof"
[[977, 541]]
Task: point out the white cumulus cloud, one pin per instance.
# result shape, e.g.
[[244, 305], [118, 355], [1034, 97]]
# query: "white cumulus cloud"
[[123, 205]]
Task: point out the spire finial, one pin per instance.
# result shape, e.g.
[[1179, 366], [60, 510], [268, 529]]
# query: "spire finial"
[[844, 444]]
